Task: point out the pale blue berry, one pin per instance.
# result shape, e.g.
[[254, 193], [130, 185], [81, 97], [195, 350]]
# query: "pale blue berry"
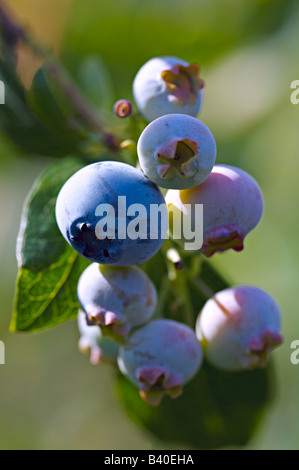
[[177, 151], [166, 85], [160, 358], [116, 299]]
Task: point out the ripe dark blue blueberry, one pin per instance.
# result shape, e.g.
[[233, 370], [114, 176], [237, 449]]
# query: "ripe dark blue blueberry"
[[104, 193], [177, 151]]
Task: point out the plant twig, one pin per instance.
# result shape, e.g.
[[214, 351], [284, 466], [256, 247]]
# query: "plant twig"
[[12, 33]]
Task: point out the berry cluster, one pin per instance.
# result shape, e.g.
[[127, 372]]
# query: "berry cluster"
[[238, 327]]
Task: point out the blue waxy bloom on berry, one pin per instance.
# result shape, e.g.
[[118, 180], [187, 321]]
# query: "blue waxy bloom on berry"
[[116, 299], [92, 341], [232, 206], [177, 151], [160, 358], [110, 195], [166, 85], [239, 327]]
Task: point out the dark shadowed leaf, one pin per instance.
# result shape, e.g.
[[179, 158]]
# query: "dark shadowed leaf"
[[24, 126], [54, 110], [216, 409]]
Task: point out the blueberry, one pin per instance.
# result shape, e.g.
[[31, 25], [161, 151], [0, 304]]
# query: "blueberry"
[[88, 198], [100, 348], [122, 108], [239, 327], [177, 151], [232, 206], [117, 299], [166, 85], [160, 358]]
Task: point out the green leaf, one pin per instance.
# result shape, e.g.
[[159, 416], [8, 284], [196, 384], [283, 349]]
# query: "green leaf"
[[216, 409], [55, 112], [40, 243], [23, 125], [95, 82], [48, 298], [49, 267]]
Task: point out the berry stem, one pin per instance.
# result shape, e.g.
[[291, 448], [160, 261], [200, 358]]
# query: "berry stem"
[[162, 299], [189, 311], [201, 286]]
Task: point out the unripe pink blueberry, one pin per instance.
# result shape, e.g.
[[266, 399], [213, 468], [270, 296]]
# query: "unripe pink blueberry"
[[177, 151], [92, 341], [117, 299], [166, 85], [160, 358], [239, 327], [122, 108], [232, 206]]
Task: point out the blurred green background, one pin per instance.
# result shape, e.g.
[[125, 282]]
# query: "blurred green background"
[[50, 397]]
